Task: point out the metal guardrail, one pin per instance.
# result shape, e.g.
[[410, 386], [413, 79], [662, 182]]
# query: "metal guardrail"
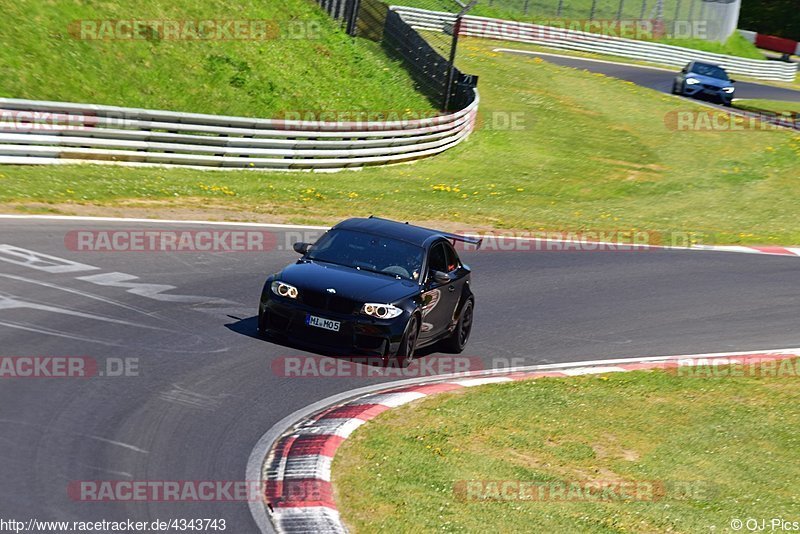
[[40, 132], [566, 39]]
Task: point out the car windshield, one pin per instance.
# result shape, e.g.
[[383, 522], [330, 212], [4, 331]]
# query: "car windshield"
[[710, 70], [369, 252]]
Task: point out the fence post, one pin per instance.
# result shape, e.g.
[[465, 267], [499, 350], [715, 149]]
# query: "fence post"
[[619, 11], [559, 8], [644, 10], [352, 23], [451, 64], [525, 8], [594, 9]]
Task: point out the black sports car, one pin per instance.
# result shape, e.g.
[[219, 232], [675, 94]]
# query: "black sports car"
[[373, 287]]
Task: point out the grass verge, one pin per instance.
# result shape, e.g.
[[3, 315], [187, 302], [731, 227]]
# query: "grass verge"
[[769, 106], [722, 448], [586, 152], [307, 64]]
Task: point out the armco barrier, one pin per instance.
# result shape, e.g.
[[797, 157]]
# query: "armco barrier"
[[589, 42], [81, 133]]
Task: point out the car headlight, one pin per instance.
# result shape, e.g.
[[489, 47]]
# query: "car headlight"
[[692, 81], [381, 311], [284, 290], [728, 89]]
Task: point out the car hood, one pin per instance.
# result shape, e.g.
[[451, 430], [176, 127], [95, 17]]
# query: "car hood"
[[708, 80], [362, 286]]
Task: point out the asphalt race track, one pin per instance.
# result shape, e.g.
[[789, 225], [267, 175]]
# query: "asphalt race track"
[[658, 79], [206, 390]]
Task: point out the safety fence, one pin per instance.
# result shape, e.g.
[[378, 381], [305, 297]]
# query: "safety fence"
[[567, 39], [39, 132]]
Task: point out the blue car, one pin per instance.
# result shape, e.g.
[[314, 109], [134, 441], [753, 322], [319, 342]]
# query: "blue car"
[[372, 287], [704, 80]]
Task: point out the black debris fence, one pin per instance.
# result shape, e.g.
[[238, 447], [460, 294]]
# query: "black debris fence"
[[345, 11], [425, 58], [429, 69]]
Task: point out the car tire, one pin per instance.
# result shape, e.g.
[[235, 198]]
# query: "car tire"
[[674, 88], [262, 324], [458, 339], [408, 345]]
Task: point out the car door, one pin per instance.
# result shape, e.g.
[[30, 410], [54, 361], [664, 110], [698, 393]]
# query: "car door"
[[439, 300]]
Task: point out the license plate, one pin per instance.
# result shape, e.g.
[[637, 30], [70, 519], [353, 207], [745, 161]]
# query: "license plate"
[[320, 322]]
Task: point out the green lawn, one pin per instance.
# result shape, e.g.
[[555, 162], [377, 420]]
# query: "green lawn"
[[714, 449], [311, 64], [590, 153], [769, 106]]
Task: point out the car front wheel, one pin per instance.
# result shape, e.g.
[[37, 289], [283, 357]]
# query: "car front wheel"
[[458, 339], [408, 345], [262, 323]]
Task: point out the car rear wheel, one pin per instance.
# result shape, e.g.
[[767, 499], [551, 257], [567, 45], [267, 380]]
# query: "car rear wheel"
[[408, 345], [458, 339]]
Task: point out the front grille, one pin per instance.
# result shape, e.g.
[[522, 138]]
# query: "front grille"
[[328, 302], [711, 87]]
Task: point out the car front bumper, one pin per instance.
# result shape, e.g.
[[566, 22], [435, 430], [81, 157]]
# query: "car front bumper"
[[707, 92], [358, 335]]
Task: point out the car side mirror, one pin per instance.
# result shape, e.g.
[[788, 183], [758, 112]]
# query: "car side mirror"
[[732, 81], [440, 278], [301, 248]]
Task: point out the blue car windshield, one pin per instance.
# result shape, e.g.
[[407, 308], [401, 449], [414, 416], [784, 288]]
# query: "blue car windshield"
[[710, 70], [369, 252]]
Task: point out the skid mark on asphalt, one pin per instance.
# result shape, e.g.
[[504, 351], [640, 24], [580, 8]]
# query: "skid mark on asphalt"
[[58, 333], [109, 471], [10, 302], [79, 292], [181, 395], [49, 428]]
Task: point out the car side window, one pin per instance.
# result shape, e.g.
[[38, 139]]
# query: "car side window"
[[437, 260], [453, 263]]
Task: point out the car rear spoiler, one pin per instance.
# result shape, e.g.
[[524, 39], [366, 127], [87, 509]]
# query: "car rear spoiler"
[[470, 240]]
